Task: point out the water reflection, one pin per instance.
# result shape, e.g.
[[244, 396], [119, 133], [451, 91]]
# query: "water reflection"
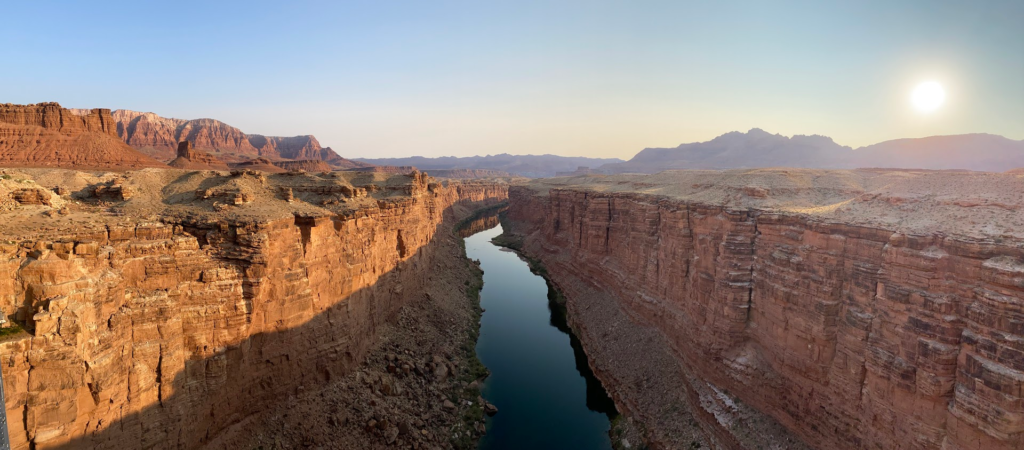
[[477, 225], [546, 393]]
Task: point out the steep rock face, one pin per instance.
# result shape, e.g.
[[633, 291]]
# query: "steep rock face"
[[295, 147], [159, 136], [47, 135], [192, 159], [850, 336], [52, 117], [156, 136], [167, 333]]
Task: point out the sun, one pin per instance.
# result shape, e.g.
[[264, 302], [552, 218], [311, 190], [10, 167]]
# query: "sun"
[[928, 96]]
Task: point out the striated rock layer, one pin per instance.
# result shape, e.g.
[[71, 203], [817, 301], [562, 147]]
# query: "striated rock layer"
[[859, 309], [167, 317], [47, 135], [159, 137]]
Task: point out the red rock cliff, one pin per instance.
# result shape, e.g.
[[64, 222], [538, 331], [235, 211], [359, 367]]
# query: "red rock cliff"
[[851, 334], [47, 135], [159, 137], [168, 331]]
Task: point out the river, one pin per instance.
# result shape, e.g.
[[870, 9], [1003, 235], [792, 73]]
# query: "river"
[[546, 396]]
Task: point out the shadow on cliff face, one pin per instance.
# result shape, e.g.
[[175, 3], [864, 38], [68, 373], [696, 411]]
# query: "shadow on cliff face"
[[597, 398], [216, 394]]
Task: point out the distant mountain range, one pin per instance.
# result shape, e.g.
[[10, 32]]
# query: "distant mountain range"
[[533, 166], [47, 135], [159, 136], [758, 148]]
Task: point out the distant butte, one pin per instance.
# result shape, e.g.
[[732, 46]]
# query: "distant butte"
[[192, 159]]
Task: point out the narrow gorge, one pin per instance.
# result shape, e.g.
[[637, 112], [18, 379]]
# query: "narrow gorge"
[[779, 308]]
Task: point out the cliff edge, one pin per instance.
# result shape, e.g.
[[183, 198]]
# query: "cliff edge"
[[856, 309], [172, 308]]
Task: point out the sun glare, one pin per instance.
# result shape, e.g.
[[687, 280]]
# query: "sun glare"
[[928, 96]]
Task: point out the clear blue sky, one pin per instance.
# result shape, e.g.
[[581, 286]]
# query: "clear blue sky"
[[595, 78]]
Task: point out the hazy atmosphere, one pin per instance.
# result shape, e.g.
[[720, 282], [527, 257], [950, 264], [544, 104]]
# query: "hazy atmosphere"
[[587, 78]]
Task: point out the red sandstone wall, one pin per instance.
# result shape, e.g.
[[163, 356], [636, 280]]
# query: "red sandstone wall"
[[164, 335], [851, 337], [52, 117]]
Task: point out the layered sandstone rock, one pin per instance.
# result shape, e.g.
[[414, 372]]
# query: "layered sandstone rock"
[[192, 159], [862, 309], [159, 137], [163, 318], [46, 135]]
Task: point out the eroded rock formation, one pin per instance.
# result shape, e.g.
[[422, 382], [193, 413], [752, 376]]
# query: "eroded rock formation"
[[192, 159], [863, 309], [165, 317], [46, 135]]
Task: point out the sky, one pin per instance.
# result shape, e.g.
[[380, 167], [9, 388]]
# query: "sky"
[[582, 78]]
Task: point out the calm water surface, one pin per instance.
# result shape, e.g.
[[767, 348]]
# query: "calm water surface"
[[546, 396]]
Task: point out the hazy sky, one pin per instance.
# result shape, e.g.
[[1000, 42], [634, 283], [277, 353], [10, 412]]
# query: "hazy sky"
[[592, 78]]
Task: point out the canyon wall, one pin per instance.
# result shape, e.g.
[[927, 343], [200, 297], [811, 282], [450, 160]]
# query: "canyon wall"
[[51, 116], [170, 331], [47, 135], [850, 336]]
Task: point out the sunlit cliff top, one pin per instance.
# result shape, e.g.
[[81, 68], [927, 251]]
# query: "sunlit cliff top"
[[980, 205], [40, 202]]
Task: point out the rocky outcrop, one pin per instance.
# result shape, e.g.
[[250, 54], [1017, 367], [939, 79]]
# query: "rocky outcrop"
[[850, 333], [174, 320], [192, 159], [159, 137], [47, 135]]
